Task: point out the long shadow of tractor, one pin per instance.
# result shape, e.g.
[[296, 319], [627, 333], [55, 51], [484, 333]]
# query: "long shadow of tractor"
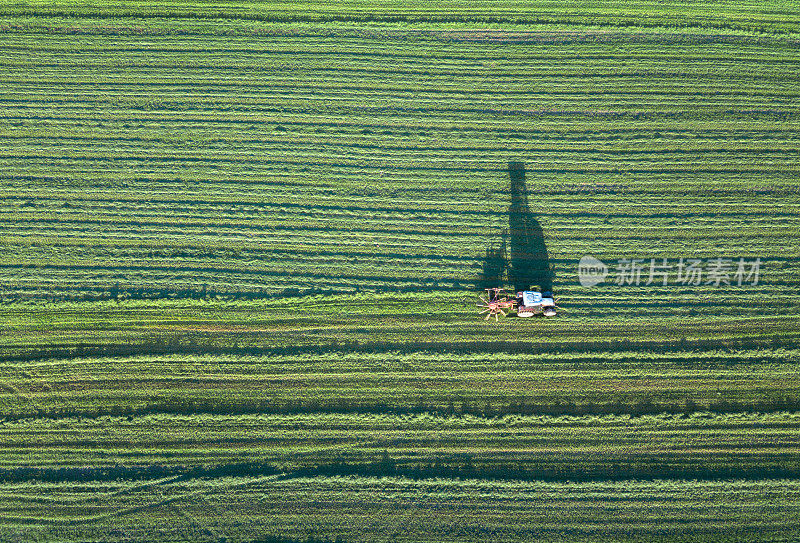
[[521, 258]]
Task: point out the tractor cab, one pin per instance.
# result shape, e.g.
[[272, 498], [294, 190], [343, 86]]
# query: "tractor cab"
[[529, 303]]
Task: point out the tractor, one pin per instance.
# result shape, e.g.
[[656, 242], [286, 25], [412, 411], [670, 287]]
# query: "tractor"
[[527, 303]]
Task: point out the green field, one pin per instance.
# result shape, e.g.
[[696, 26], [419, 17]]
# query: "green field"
[[240, 244]]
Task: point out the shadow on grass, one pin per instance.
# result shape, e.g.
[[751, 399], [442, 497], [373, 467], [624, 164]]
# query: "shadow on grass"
[[522, 253]]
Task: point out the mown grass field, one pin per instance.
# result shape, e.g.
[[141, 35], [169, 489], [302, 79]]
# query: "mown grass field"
[[239, 248]]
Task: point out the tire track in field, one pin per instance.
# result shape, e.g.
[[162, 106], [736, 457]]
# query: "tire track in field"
[[165, 501]]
